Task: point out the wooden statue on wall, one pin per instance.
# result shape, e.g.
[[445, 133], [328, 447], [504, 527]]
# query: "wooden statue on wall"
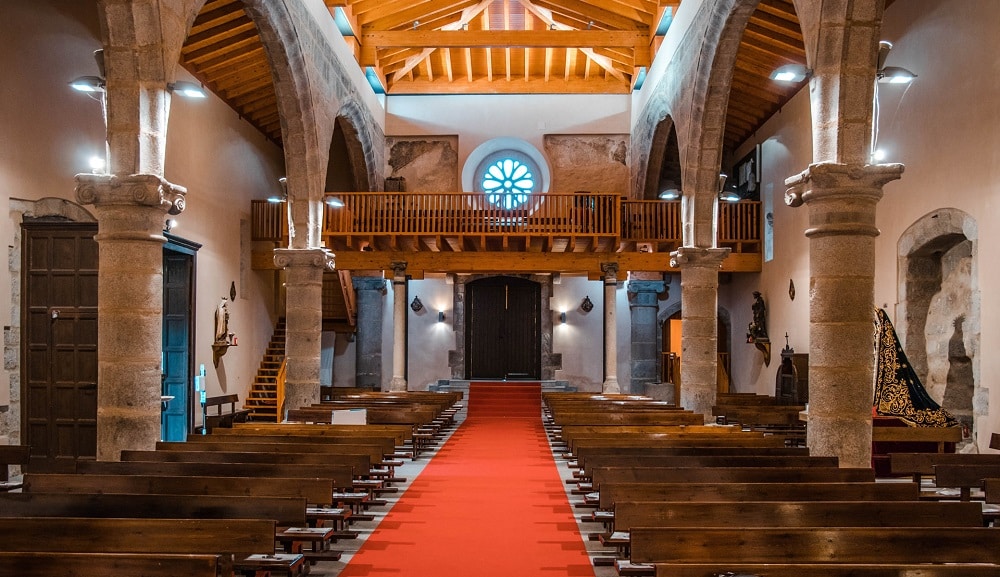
[[757, 331]]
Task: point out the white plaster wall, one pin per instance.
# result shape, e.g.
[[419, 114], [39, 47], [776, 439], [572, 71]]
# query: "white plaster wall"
[[50, 132], [345, 360], [944, 129], [479, 118], [683, 16], [429, 340], [580, 339]]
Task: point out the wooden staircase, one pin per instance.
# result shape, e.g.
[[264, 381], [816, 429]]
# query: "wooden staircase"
[[264, 396]]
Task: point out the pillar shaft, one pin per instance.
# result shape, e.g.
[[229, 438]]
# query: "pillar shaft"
[[398, 382], [610, 329], [841, 200], [303, 323], [370, 293], [130, 214], [699, 318], [643, 306]]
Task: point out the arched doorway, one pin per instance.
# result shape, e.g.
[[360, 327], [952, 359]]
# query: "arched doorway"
[[503, 328], [670, 346]]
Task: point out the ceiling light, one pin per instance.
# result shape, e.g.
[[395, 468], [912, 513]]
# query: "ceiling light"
[[791, 73], [88, 84], [670, 194], [187, 89], [334, 202], [895, 75]]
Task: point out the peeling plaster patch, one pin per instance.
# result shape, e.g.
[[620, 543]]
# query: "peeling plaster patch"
[[597, 163], [428, 165]]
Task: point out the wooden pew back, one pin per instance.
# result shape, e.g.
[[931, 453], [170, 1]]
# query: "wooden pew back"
[[645, 461], [49, 563], [824, 570], [602, 475], [399, 432], [611, 493], [341, 475], [359, 464]]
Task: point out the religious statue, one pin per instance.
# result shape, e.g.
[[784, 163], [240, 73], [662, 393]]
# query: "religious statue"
[[222, 322], [757, 330]]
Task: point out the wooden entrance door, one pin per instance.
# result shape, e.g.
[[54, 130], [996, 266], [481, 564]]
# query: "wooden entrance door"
[[178, 338], [503, 331], [59, 354]]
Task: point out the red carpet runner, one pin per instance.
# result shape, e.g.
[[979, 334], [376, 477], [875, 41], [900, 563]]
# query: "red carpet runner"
[[489, 504]]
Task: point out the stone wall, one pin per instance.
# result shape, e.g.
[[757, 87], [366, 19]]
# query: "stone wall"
[[427, 164], [595, 163]]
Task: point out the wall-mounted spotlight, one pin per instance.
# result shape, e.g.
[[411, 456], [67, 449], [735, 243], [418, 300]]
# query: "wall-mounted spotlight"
[[284, 191], [791, 73], [726, 195], [890, 74], [187, 89], [670, 194], [562, 317], [170, 224], [334, 202], [88, 84], [440, 316], [416, 305], [97, 164]]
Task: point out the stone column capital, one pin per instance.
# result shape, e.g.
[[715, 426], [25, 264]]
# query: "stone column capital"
[[147, 190], [320, 258], [646, 286], [610, 270], [697, 257], [826, 180], [398, 271]]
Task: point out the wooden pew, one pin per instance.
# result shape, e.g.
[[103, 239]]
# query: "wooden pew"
[[918, 465], [285, 511], [991, 489], [790, 475], [340, 475], [232, 539], [645, 461], [828, 570], [49, 563], [584, 453], [401, 433], [665, 417], [743, 441], [359, 464], [886, 545], [964, 477], [314, 491], [995, 441], [223, 416], [12, 455], [612, 493]]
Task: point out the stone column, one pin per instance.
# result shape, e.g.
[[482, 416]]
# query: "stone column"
[[699, 317], [130, 215], [303, 322], [841, 200], [643, 306], [370, 292], [398, 382], [610, 329]]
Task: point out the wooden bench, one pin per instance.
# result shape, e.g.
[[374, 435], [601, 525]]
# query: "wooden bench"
[[232, 539], [342, 476], [995, 441], [49, 563], [314, 491], [662, 417], [402, 433], [991, 490], [612, 493], [645, 461], [225, 413], [12, 455], [918, 465], [827, 570], [584, 453], [965, 478], [789, 475], [885, 545]]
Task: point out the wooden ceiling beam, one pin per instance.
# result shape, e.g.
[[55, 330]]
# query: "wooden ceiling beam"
[[429, 14], [585, 12], [788, 28], [231, 44], [368, 10], [210, 17], [774, 40], [502, 38], [249, 52], [597, 84], [219, 33]]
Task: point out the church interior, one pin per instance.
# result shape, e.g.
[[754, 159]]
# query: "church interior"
[[233, 213]]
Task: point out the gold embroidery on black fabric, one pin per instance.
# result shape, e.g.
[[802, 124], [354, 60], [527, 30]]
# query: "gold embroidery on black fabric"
[[898, 390]]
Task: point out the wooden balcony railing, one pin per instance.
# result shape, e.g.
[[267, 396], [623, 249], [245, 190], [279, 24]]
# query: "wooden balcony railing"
[[457, 214]]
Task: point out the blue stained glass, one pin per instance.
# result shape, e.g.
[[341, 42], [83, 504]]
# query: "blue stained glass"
[[508, 183]]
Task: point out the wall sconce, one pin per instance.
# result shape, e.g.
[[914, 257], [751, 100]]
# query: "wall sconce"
[[416, 305], [97, 164], [791, 73], [440, 316], [169, 225], [726, 195], [88, 84], [586, 304], [562, 317], [890, 74], [284, 192], [334, 202], [187, 89]]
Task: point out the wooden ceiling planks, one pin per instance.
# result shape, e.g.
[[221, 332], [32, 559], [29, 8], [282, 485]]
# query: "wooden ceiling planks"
[[512, 46]]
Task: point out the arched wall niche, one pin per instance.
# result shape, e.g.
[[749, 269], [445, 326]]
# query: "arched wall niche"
[[938, 313]]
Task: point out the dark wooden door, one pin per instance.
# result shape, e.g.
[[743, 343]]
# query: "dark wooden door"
[[59, 356], [178, 339], [504, 329]]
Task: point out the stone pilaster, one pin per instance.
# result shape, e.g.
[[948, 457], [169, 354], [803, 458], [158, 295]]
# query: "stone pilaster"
[[130, 216], [699, 317], [643, 306], [610, 329], [370, 293], [841, 200], [303, 322], [398, 382]]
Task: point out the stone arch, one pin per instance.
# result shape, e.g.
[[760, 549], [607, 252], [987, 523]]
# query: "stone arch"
[[350, 125], [938, 314], [722, 313], [664, 162]]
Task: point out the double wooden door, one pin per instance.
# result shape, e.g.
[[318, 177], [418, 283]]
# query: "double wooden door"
[[503, 329]]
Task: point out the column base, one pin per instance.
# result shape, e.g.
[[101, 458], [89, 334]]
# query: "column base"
[[397, 384], [611, 386]]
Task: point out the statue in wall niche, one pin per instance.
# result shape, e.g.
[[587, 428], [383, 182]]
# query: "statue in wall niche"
[[222, 322], [757, 331]]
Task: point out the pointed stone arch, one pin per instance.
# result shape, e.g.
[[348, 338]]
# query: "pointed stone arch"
[[938, 313], [664, 161], [359, 147]]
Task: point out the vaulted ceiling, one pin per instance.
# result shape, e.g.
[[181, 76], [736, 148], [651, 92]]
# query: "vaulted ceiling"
[[495, 47]]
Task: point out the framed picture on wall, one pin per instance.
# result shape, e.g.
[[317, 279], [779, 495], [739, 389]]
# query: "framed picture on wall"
[[747, 175]]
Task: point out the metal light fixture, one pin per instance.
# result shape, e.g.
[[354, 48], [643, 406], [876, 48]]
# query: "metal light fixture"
[[726, 195], [170, 224], [562, 317], [670, 194], [416, 305], [890, 74], [791, 73], [88, 84], [440, 316], [284, 192], [187, 89], [334, 202]]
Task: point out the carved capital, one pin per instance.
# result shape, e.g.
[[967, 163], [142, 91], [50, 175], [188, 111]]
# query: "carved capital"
[[307, 257], [842, 197], [398, 270], [137, 189], [610, 270], [646, 286], [697, 257], [368, 283]]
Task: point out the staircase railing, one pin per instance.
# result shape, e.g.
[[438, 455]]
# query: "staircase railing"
[[279, 393]]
